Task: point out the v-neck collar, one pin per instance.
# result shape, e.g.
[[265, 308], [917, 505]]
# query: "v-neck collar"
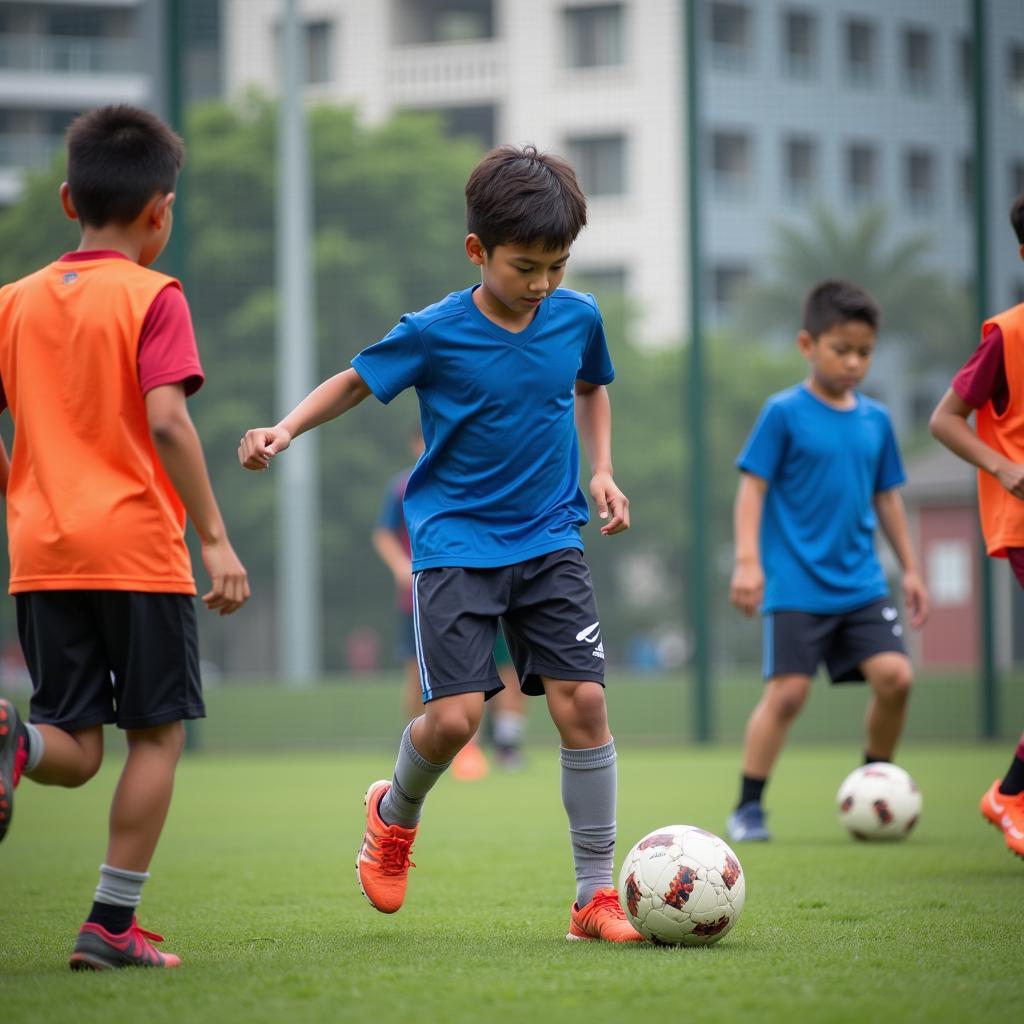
[[515, 338]]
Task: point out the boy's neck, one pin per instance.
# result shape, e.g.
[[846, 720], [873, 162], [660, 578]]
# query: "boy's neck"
[[843, 400], [498, 313], [111, 237]]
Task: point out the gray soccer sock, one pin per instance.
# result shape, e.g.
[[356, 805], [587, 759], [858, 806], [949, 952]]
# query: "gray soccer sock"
[[413, 779], [35, 746], [120, 887], [588, 794]]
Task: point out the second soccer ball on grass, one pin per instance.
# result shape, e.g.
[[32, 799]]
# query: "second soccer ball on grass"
[[879, 801]]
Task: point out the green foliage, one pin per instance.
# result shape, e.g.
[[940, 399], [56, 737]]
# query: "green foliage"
[[920, 305]]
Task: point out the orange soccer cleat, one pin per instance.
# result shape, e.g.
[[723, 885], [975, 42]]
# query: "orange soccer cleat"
[[1006, 812], [602, 918], [96, 949], [382, 867]]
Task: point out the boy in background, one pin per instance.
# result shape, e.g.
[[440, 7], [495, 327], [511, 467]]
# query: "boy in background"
[[991, 385], [97, 356], [818, 472], [504, 371]]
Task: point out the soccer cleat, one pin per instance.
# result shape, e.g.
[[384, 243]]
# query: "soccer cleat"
[[746, 824], [1006, 812], [382, 867], [470, 763], [13, 755], [602, 918], [96, 949]]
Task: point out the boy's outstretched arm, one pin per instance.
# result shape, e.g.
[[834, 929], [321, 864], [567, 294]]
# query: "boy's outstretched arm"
[[393, 555], [893, 519], [746, 589], [177, 444], [335, 396], [949, 425], [594, 423]]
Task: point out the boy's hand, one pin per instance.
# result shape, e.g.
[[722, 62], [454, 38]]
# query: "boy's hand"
[[610, 501], [260, 445], [915, 598], [230, 581], [1011, 476], [746, 589]]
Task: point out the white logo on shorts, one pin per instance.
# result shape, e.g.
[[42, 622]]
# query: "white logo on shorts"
[[598, 651], [589, 635], [889, 614]]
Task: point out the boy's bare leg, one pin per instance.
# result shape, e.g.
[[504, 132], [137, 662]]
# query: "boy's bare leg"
[[579, 713], [143, 795], [447, 725], [412, 695], [69, 759], [890, 676], [769, 723]]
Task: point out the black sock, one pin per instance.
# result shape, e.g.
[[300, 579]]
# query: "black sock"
[[114, 918], [751, 790], [1014, 781], [871, 759]]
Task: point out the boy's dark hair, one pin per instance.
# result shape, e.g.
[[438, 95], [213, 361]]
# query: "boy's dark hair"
[[522, 196], [1017, 217], [119, 157], [831, 303]]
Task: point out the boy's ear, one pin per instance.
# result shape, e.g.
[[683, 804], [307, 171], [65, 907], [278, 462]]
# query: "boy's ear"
[[65, 201], [805, 342], [160, 208], [475, 250]]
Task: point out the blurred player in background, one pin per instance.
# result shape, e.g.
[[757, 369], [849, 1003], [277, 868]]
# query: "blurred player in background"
[[818, 473], [991, 386], [97, 356]]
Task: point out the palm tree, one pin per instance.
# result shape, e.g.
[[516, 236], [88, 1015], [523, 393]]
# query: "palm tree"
[[920, 304]]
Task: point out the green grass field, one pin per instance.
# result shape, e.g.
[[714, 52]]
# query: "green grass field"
[[253, 885]]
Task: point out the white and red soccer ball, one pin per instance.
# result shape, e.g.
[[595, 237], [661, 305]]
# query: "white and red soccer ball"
[[879, 801], [682, 885]]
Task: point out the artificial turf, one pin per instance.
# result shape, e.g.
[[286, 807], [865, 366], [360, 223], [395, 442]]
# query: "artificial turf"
[[253, 885]]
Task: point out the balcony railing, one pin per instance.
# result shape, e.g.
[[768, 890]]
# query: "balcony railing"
[[446, 69], [69, 55]]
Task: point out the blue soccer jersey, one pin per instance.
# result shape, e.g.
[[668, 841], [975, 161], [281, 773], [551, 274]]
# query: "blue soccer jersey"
[[823, 467], [498, 482]]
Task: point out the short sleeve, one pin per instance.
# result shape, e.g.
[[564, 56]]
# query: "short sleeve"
[[983, 377], [766, 445], [167, 344], [596, 366], [890, 465], [391, 516], [396, 362]]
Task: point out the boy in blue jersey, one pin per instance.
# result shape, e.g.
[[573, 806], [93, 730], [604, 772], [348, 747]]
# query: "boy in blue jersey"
[[504, 371], [819, 472]]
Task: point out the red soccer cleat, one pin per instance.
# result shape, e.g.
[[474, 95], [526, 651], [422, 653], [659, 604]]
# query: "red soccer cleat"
[[96, 949]]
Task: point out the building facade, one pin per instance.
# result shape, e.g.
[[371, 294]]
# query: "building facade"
[[840, 103]]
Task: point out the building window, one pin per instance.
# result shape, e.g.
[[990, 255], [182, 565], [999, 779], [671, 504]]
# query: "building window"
[[1015, 77], [964, 66], [731, 36], [477, 123], [605, 282], [949, 572], [318, 52], [731, 163], [800, 159], [1016, 179], [861, 52], [918, 61], [600, 162], [595, 36], [862, 172], [919, 179], [799, 44], [423, 22], [965, 182], [726, 281]]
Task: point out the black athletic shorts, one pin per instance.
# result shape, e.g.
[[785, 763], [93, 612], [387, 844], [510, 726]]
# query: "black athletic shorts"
[[795, 643], [110, 656], [550, 619]]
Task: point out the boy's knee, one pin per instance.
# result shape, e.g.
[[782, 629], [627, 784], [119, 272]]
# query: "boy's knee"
[[786, 698], [894, 683], [452, 725], [82, 771]]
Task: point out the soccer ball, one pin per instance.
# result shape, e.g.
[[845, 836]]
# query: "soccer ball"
[[682, 886], [879, 801]]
